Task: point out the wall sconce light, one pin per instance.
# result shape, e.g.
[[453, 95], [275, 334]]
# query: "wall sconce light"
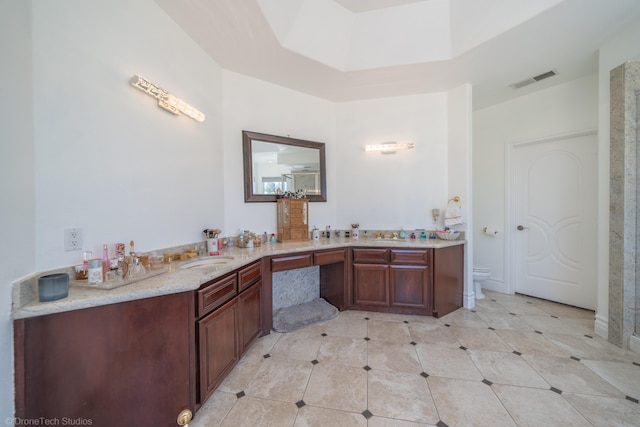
[[166, 100], [389, 147]]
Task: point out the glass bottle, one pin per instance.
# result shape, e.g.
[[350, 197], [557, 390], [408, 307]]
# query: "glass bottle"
[[106, 263]]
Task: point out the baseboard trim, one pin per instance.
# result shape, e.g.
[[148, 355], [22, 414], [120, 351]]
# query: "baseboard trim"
[[601, 327]]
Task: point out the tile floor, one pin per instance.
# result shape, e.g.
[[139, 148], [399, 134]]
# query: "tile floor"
[[512, 361]]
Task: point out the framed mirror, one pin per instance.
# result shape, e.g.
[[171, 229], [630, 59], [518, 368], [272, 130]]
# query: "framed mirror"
[[275, 164]]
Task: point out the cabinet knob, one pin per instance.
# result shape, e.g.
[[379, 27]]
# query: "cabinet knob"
[[184, 417]]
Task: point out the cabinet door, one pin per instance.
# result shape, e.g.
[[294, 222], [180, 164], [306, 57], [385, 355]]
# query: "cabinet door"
[[128, 363], [250, 306], [370, 284], [448, 279], [410, 287], [219, 347]]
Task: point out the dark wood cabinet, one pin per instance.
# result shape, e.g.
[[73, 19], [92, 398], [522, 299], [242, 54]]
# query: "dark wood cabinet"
[[126, 363], [228, 321], [219, 346], [250, 306], [370, 285], [448, 279], [392, 280]]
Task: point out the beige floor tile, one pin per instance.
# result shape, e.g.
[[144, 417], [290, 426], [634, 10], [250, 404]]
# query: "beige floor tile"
[[562, 310], [463, 403], [606, 411], [529, 342], [390, 331], [581, 326], [337, 387], [450, 362], [240, 376], [297, 347], [214, 410], [549, 325], [347, 326], [402, 396], [312, 416], [280, 379], [463, 317], [595, 348], [391, 422], [522, 307], [250, 412], [388, 317], [488, 304], [428, 334], [480, 339], [532, 407], [624, 376], [503, 320], [506, 368], [261, 346], [286, 387], [570, 375], [391, 356], [343, 351]]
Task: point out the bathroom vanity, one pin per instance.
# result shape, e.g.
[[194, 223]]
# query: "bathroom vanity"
[[150, 350]]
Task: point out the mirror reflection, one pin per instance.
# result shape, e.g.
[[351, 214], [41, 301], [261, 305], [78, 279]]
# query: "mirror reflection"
[[275, 164]]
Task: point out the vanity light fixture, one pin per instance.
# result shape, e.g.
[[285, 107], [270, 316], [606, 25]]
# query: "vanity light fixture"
[[389, 147], [166, 100]]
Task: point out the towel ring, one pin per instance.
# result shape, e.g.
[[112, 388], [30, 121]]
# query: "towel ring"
[[454, 199]]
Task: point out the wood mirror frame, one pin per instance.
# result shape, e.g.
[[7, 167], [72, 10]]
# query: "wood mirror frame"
[[248, 139]]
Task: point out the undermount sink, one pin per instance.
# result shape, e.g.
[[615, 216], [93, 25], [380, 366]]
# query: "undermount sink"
[[207, 262]]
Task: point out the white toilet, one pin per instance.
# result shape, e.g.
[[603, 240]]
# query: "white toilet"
[[480, 274]]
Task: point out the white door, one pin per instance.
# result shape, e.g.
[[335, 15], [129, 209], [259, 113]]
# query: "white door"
[[554, 205]]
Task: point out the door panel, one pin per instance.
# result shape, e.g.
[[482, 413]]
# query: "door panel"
[[554, 198]]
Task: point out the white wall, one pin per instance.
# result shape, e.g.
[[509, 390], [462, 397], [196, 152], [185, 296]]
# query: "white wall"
[[390, 191], [17, 188], [561, 109], [108, 159], [258, 106]]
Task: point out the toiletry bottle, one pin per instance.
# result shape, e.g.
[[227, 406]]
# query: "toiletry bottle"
[[85, 262], [106, 264], [273, 238], [316, 234], [402, 235], [328, 230], [265, 238]]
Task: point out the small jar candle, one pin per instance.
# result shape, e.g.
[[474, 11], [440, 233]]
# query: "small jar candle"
[[95, 271]]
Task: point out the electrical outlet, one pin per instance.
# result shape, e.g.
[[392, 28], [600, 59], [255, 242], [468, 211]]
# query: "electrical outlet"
[[73, 239]]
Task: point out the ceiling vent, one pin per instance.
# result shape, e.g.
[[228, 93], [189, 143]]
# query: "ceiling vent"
[[533, 79]]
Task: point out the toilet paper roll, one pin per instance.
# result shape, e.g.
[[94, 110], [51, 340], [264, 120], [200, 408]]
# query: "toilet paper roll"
[[490, 231]]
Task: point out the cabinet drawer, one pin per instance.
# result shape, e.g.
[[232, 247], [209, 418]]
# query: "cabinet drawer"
[[216, 294], [370, 256], [329, 257], [249, 275], [410, 256], [291, 262]]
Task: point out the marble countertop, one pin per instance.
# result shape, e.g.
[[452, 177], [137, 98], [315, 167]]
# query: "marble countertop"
[[25, 302]]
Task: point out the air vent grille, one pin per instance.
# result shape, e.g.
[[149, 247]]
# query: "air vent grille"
[[533, 79]]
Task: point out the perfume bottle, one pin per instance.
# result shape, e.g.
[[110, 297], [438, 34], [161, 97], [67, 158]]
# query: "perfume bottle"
[[106, 263]]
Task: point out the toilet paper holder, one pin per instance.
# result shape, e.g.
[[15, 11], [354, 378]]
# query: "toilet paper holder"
[[490, 231]]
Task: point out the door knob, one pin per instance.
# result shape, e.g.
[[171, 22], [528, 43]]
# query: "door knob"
[[521, 227]]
